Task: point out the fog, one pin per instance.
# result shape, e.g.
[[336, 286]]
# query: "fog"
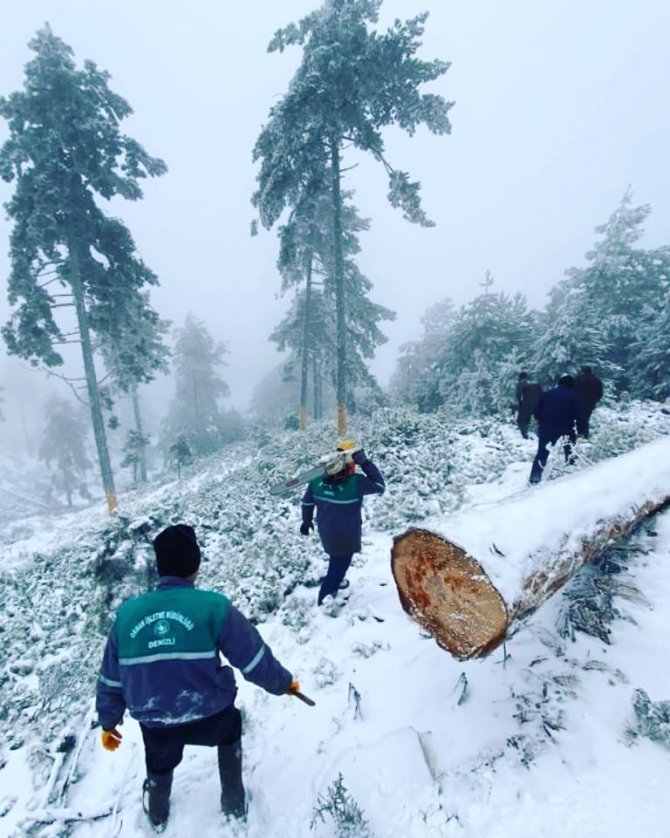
[[559, 108]]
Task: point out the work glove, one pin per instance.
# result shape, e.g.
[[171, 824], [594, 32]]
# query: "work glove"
[[359, 457], [294, 688], [306, 527], [111, 739]]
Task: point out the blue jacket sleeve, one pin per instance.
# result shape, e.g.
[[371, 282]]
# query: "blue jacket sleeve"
[[110, 703], [307, 505], [373, 482], [243, 645]]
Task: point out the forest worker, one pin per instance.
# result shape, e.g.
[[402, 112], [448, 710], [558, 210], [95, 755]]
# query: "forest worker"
[[560, 415], [337, 497], [528, 395], [162, 664], [589, 388]]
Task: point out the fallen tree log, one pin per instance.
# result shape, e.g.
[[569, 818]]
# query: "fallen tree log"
[[470, 580]]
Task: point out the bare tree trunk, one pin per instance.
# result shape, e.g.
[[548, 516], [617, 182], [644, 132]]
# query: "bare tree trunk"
[[30, 447], [197, 419], [94, 400], [142, 454], [341, 383], [316, 387], [471, 580], [305, 343]]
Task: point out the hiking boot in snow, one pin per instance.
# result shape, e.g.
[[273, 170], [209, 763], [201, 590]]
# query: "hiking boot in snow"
[[156, 799], [233, 798]]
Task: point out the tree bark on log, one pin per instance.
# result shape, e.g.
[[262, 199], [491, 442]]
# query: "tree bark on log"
[[471, 580]]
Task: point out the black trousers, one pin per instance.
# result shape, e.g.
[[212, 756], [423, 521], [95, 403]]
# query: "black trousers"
[[545, 438], [587, 417], [337, 570], [164, 746], [523, 423]]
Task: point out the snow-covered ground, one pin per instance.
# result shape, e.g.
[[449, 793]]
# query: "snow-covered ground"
[[541, 741]]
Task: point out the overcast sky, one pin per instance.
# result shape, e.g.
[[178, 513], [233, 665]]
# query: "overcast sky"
[[559, 108]]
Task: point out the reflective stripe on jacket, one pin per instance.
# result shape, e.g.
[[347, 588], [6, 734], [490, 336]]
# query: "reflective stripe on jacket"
[[338, 508], [162, 658]]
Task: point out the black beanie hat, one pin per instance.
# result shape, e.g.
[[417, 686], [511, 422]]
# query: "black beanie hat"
[[177, 551]]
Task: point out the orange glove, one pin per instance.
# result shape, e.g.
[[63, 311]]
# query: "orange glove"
[[111, 739], [294, 688]]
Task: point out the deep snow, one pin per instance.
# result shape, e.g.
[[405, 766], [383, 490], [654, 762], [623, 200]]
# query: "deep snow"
[[537, 742]]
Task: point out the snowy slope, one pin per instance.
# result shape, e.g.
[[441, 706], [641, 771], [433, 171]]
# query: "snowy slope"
[[539, 742]]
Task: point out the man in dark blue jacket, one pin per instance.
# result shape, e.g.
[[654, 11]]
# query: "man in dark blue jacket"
[[162, 663], [559, 413], [338, 499]]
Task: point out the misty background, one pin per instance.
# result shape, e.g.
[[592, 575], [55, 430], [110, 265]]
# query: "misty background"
[[558, 110]]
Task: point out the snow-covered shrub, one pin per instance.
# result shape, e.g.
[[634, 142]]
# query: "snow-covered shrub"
[[624, 426], [252, 550], [652, 719], [346, 814]]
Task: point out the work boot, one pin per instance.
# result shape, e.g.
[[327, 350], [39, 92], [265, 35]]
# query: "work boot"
[[233, 798], [156, 799]]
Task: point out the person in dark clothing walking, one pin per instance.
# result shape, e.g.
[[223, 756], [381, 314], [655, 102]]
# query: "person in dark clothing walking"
[[527, 396], [589, 388], [337, 497], [162, 663], [559, 413]]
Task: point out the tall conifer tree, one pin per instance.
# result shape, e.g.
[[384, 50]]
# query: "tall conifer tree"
[[195, 413], [309, 328], [352, 82], [63, 447], [66, 151]]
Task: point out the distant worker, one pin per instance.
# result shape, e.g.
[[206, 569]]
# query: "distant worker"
[[527, 396], [337, 497], [163, 664], [589, 388], [559, 413]]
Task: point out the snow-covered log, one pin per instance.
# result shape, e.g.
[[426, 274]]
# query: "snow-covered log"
[[471, 578]]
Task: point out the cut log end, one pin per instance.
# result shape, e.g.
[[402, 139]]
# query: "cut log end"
[[448, 593]]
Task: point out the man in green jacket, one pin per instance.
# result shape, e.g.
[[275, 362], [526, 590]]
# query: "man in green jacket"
[[337, 498], [163, 664]]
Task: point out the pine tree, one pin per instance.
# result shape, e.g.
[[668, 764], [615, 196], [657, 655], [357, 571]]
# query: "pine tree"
[[352, 83], [596, 316], [135, 455], [65, 150], [650, 351], [306, 332], [304, 329], [465, 356], [569, 334], [180, 453], [308, 329], [419, 367], [132, 344], [134, 351], [63, 447], [195, 413]]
